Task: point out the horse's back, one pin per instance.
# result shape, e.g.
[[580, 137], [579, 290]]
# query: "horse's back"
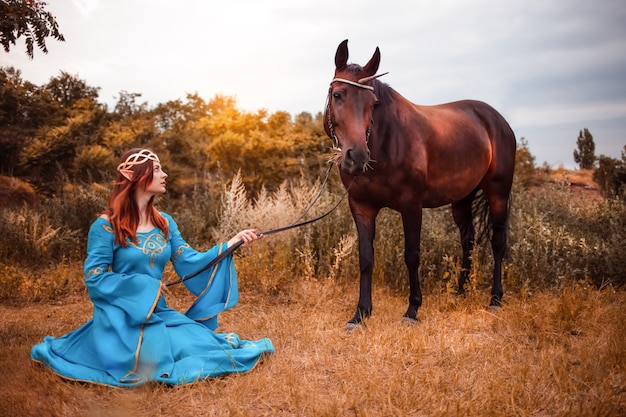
[[486, 115]]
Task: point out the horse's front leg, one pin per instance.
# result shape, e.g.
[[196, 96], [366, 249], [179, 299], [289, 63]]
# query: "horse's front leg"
[[412, 223], [365, 221]]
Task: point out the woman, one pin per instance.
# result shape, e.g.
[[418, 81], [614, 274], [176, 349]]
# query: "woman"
[[134, 337]]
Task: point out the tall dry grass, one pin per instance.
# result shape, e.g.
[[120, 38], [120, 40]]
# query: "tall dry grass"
[[555, 237]]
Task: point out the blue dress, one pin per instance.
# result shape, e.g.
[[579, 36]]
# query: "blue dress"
[[134, 337]]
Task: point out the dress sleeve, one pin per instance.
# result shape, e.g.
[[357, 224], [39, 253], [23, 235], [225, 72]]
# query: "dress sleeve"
[[131, 298], [216, 288]]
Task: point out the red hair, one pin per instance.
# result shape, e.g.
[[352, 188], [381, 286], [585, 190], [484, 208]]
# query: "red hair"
[[122, 208]]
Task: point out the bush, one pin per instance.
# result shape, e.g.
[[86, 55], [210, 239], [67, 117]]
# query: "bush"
[[52, 232], [15, 193], [556, 239]]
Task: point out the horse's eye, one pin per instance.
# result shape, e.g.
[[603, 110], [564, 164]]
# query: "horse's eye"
[[337, 96], [376, 103]]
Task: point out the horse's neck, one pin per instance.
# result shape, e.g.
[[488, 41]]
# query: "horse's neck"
[[398, 119], [391, 107]]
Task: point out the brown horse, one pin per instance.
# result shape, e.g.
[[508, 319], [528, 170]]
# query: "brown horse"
[[407, 157]]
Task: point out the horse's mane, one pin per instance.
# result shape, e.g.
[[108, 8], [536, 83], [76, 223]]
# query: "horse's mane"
[[383, 92]]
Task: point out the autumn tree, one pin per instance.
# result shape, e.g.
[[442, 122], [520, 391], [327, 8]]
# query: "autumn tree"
[[27, 18], [585, 156], [606, 175], [24, 109], [183, 133], [611, 175], [48, 158], [128, 105], [65, 135], [130, 126], [67, 89], [238, 141], [524, 163]]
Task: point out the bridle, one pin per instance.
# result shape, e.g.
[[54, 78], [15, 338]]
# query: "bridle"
[[360, 83]]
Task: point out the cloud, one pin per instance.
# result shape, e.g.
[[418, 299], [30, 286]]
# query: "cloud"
[[543, 115], [86, 7]]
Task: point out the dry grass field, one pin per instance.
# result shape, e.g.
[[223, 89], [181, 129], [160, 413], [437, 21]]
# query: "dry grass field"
[[556, 348], [542, 354]]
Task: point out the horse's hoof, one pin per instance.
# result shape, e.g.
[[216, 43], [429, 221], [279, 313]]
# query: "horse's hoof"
[[495, 309], [495, 301], [350, 327], [409, 320]]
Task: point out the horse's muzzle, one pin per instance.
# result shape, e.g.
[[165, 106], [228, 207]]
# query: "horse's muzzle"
[[354, 161]]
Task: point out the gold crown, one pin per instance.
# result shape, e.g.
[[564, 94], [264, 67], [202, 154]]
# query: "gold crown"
[[138, 158]]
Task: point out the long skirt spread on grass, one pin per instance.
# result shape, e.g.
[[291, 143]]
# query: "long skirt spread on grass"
[[134, 337]]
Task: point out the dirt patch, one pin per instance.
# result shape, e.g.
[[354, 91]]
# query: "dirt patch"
[[579, 182]]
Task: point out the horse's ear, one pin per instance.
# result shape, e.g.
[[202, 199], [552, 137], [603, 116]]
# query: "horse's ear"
[[372, 66], [341, 56]]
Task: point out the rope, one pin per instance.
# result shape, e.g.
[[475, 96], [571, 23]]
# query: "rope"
[[356, 84]]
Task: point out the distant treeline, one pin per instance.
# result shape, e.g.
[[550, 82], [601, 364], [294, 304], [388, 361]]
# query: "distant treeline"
[[59, 133]]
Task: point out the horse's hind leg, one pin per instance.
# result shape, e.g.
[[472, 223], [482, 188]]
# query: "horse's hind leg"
[[499, 209], [462, 214]]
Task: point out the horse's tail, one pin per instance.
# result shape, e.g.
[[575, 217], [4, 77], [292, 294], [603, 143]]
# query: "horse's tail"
[[482, 220]]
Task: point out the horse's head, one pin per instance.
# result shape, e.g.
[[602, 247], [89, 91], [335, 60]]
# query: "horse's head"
[[349, 109]]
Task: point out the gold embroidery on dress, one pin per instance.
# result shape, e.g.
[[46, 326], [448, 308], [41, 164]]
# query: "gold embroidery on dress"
[[96, 271], [179, 251], [151, 245]]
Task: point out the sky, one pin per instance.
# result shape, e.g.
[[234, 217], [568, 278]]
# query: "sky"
[[551, 67]]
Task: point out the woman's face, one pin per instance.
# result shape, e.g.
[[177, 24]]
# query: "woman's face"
[[158, 185]]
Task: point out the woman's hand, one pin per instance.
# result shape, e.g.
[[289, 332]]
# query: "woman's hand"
[[248, 236]]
